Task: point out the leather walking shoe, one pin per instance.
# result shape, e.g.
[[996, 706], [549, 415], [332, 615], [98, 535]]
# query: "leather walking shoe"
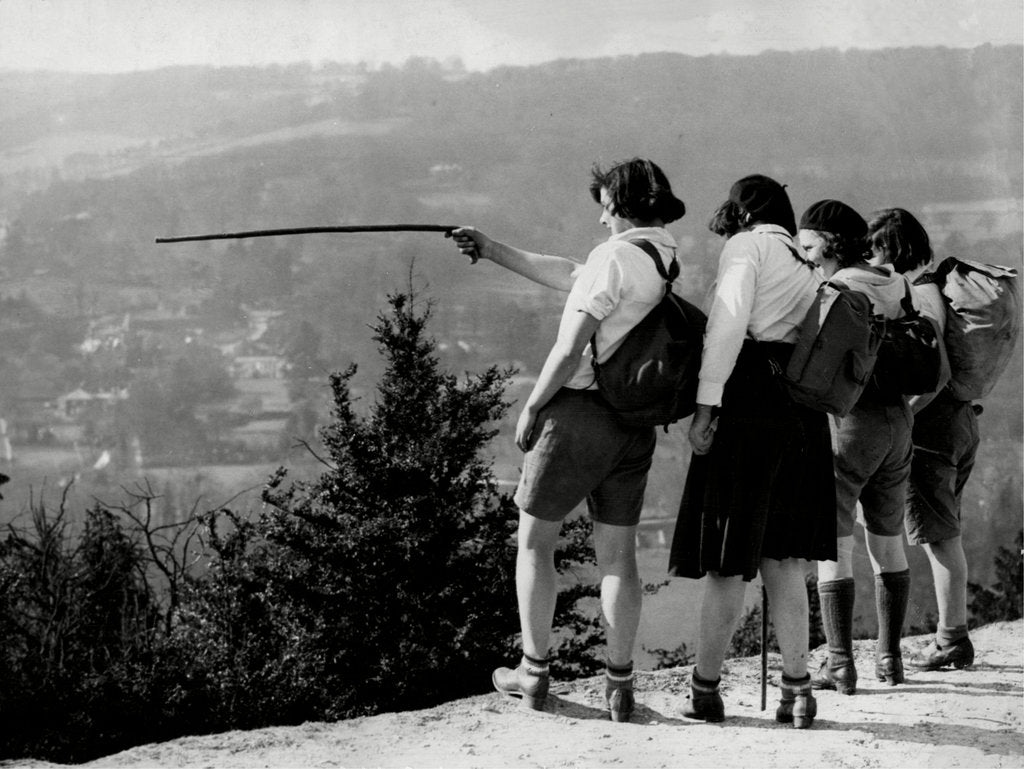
[[619, 698], [797, 705], [889, 669], [935, 657], [703, 703], [840, 677], [528, 684]]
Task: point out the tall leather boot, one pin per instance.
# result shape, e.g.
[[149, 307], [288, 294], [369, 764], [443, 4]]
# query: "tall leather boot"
[[892, 593], [837, 672]]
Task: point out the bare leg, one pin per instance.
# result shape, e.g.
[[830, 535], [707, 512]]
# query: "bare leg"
[[615, 549], [719, 613], [787, 601], [949, 571], [536, 582], [886, 553], [842, 567]]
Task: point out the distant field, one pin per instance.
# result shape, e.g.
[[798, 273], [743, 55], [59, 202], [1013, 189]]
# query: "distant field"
[[273, 393]]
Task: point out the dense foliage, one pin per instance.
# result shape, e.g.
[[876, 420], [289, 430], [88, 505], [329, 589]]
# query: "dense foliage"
[[79, 622], [1005, 599], [387, 583]]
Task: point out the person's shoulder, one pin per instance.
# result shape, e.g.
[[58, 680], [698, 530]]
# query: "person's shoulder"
[[742, 243], [606, 251], [617, 250], [927, 291]]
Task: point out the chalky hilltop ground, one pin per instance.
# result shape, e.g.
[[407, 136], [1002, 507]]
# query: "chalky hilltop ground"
[[950, 718]]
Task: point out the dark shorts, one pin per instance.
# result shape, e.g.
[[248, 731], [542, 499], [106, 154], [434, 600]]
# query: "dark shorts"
[[873, 449], [580, 451], [945, 444]]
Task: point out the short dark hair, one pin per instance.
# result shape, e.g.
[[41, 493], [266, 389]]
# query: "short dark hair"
[[638, 189], [901, 236], [845, 249], [727, 219], [765, 201]]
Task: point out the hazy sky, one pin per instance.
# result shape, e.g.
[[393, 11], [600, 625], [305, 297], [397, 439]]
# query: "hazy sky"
[[123, 35]]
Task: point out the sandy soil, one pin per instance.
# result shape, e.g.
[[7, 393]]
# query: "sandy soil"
[[949, 718]]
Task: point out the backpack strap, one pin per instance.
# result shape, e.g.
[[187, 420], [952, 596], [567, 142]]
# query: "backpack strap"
[[796, 254], [668, 276], [907, 302], [652, 251]]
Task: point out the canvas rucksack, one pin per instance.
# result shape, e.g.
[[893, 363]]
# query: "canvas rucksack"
[[836, 349], [651, 379], [911, 359], [982, 322]]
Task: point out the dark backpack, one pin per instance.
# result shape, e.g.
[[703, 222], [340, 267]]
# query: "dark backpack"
[[651, 379], [911, 359], [836, 349], [982, 322]]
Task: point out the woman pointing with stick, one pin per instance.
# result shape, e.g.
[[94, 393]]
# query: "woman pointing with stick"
[[576, 449]]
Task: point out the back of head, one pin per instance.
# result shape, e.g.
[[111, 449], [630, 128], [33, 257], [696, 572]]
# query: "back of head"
[[638, 190], [901, 237], [764, 201]]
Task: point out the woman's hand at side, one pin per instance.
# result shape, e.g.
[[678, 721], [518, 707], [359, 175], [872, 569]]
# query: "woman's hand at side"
[[524, 427], [702, 429]]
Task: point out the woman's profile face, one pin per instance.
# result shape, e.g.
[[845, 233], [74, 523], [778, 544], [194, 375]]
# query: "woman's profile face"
[[610, 220], [813, 244], [879, 255]]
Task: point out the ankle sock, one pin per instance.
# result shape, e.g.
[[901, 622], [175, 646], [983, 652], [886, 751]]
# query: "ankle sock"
[[892, 593], [796, 683], [619, 674], [703, 685], [535, 666], [949, 636]]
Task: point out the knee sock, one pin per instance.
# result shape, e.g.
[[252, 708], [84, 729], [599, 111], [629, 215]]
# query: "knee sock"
[[837, 598], [892, 593], [948, 636]]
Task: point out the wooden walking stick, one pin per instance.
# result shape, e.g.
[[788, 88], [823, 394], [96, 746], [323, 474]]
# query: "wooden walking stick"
[[445, 228], [764, 647]]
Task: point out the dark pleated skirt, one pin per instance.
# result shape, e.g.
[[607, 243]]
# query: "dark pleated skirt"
[[766, 489]]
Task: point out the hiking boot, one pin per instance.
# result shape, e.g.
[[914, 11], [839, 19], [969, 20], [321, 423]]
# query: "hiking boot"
[[934, 657], [797, 705], [526, 683], [703, 703], [837, 676], [889, 669], [619, 698]]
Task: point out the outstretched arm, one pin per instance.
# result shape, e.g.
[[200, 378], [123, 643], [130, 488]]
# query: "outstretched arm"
[[552, 271]]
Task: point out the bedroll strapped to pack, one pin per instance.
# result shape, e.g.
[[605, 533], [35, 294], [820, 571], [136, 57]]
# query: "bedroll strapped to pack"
[[982, 323], [911, 358], [651, 379], [836, 350]]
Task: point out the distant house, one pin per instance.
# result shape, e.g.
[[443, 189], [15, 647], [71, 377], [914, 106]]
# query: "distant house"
[[258, 367], [79, 401]]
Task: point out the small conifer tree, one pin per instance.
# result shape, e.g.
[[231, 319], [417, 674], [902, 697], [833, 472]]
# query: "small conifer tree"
[[388, 582]]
